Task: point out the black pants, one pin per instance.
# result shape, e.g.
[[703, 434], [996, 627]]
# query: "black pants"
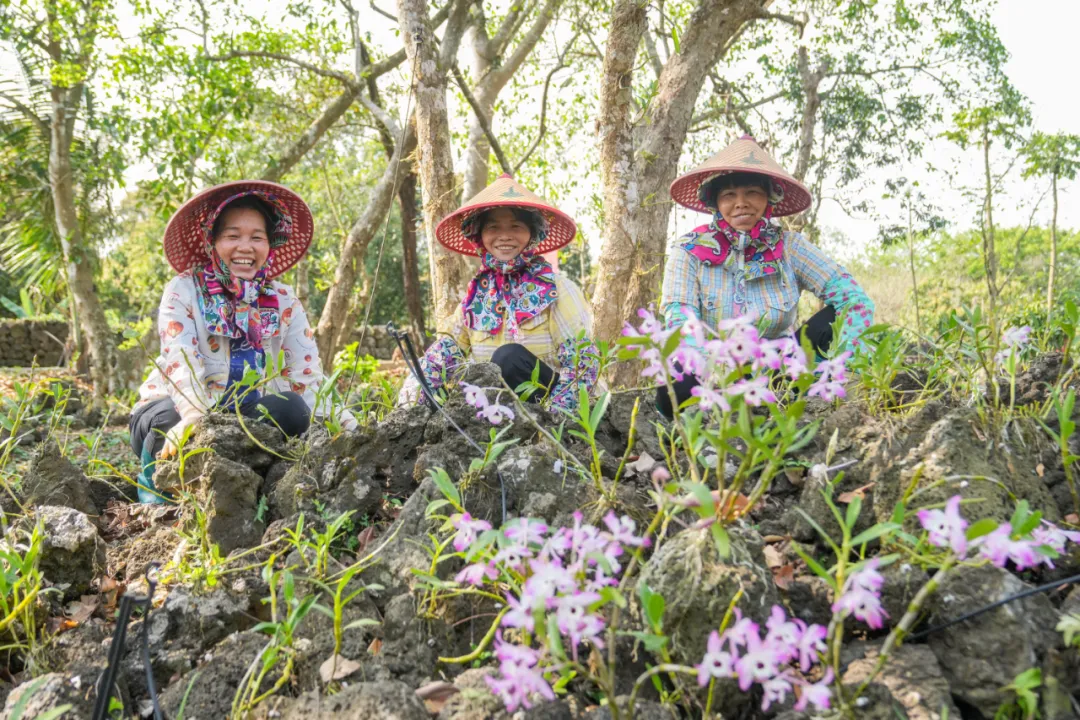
[[517, 364], [818, 329], [149, 422]]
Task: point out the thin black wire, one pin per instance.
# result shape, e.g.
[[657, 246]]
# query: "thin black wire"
[[413, 363], [991, 606], [107, 680], [386, 222]]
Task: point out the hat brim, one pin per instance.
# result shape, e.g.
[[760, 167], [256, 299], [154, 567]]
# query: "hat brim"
[[562, 229], [184, 243], [685, 190]]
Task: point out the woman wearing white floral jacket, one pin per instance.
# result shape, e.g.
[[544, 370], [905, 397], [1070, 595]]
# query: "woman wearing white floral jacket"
[[224, 316]]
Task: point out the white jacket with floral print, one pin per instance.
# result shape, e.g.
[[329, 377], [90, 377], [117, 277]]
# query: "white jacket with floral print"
[[193, 367]]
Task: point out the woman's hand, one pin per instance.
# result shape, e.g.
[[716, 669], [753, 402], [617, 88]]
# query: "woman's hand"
[[174, 437]]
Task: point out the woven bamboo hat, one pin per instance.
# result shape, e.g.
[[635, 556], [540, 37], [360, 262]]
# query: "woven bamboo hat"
[[743, 155], [455, 232], [189, 229]]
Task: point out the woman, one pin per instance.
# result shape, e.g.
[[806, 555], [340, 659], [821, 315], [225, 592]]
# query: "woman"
[[743, 263], [517, 311], [224, 316]]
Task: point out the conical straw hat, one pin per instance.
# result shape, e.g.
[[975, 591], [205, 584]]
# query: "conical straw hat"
[[185, 235], [743, 155], [506, 192]]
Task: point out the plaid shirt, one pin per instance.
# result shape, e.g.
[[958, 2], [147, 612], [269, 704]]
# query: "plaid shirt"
[[693, 286]]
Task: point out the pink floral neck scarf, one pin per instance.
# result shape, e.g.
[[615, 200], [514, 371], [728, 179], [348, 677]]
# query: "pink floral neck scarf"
[[509, 291]]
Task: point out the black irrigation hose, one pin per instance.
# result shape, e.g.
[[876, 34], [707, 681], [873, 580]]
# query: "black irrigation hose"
[[404, 343], [991, 606], [108, 677]]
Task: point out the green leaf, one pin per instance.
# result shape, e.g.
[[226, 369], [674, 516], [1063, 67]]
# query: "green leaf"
[[852, 515], [722, 540], [362, 622], [653, 605], [653, 643], [821, 531], [435, 505], [675, 39], [598, 410], [554, 639], [980, 528], [445, 485], [814, 565], [874, 533]]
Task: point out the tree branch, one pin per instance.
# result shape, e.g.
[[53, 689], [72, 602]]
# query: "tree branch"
[[28, 113], [654, 57], [543, 104], [498, 42], [481, 118], [763, 14], [494, 81], [344, 78], [392, 61], [382, 12]]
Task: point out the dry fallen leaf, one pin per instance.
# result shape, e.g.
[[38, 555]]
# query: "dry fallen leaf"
[[1041, 470], [364, 538], [783, 576], [796, 475], [1072, 519], [436, 694], [859, 492], [375, 646], [336, 667], [643, 464], [79, 612], [773, 557]]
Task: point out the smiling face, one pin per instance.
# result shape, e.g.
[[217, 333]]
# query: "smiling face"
[[504, 234], [742, 205], [241, 241]]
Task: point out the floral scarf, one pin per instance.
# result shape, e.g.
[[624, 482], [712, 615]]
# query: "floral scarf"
[[233, 307], [757, 253], [512, 291]]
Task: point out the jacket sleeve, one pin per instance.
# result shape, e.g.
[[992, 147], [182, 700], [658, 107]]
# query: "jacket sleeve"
[[439, 362], [680, 297], [577, 355], [183, 367], [302, 367], [832, 284]]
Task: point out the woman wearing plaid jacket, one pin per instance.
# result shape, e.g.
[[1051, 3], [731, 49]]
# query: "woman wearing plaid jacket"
[[743, 263]]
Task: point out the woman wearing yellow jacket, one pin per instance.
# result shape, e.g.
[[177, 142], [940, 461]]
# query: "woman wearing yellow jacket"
[[518, 311]]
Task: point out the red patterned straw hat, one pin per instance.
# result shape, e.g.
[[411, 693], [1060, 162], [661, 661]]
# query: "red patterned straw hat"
[[744, 156], [188, 230], [455, 232]]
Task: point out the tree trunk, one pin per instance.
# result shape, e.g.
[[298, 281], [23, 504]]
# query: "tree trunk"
[[638, 164], [332, 328], [300, 280], [989, 248], [78, 257], [492, 70], [409, 263], [1053, 253], [450, 272], [911, 259]]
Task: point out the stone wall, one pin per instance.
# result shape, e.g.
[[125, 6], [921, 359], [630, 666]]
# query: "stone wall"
[[22, 340], [377, 343]]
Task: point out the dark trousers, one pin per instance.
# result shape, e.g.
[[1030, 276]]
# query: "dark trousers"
[[150, 422], [517, 364], [818, 329]]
